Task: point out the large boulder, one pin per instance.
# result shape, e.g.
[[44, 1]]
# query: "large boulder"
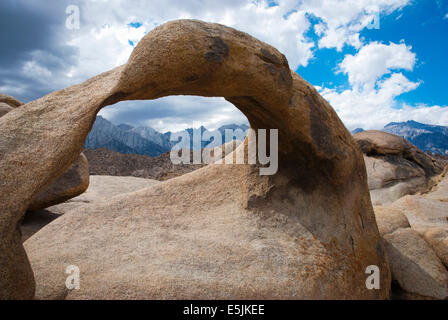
[[223, 231], [72, 183], [395, 167], [5, 108], [389, 220], [414, 264], [9, 100], [428, 215], [8, 103]]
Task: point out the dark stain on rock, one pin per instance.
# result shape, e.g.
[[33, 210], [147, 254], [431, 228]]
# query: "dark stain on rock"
[[275, 65], [192, 78], [379, 249], [285, 76], [272, 69], [319, 131], [269, 57], [218, 50]]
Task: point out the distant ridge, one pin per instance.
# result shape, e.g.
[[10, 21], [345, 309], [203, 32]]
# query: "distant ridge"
[[357, 130], [127, 139], [426, 137], [105, 134]]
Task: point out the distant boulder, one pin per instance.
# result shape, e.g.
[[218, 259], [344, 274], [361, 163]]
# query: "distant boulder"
[[357, 130], [5, 108], [395, 167], [11, 101]]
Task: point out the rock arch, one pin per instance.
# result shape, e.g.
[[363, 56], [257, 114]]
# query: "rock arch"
[[318, 199]]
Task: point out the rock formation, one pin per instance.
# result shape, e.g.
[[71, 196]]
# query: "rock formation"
[[8, 103], [395, 167], [11, 101], [5, 108], [222, 231], [71, 184], [415, 230]]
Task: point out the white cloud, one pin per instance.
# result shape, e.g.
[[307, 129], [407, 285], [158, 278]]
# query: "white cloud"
[[375, 109], [175, 113], [375, 60], [371, 102], [36, 71], [342, 21]]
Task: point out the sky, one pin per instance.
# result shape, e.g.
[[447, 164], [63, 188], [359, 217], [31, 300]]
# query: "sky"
[[375, 61]]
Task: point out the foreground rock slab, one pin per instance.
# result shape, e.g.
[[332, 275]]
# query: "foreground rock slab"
[[222, 231], [101, 188]]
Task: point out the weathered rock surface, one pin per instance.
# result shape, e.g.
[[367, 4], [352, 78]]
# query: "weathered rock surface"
[[71, 184], [11, 101], [222, 231], [389, 220], [395, 167], [428, 215], [101, 188], [5, 108], [414, 264], [437, 238]]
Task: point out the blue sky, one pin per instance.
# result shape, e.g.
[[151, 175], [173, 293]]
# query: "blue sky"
[[421, 25], [370, 76]]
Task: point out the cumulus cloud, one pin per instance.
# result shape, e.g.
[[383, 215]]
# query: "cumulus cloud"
[[174, 113], [342, 21], [34, 53], [373, 61], [371, 101]]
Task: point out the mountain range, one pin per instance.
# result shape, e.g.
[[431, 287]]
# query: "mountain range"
[[426, 137], [126, 139]]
